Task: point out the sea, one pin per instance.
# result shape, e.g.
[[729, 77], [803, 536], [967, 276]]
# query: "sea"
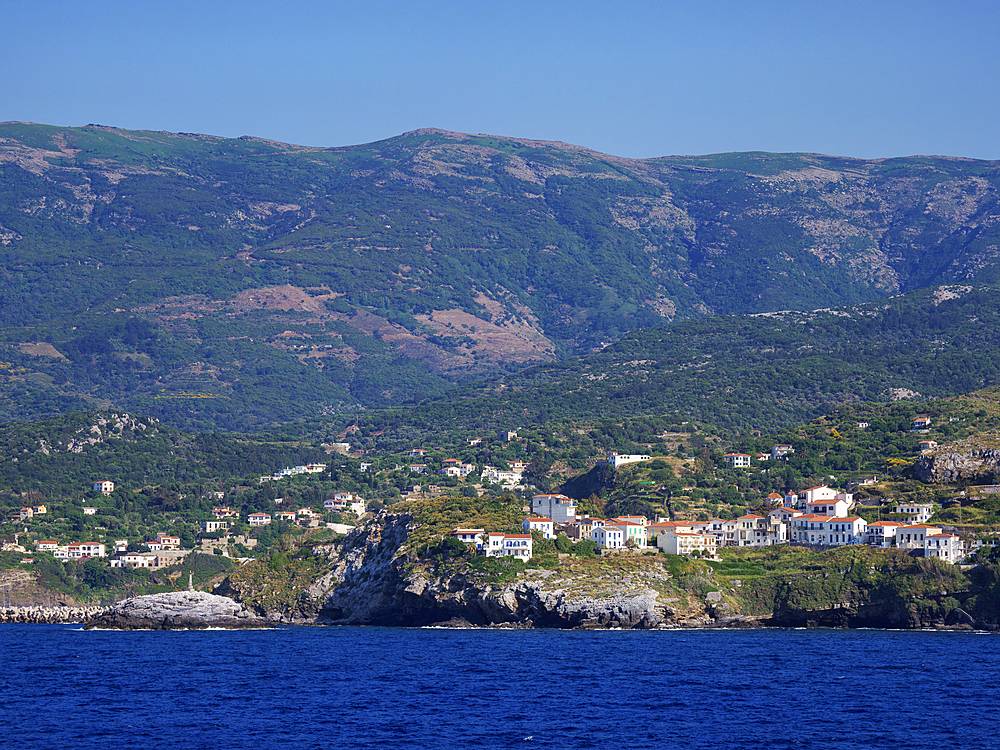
[[347, 687]]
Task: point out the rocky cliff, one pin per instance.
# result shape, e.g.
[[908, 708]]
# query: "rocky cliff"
[[375, 577], [371, 578], [950, 465]]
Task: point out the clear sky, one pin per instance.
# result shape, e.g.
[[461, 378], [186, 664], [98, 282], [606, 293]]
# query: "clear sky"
[[635, 78]]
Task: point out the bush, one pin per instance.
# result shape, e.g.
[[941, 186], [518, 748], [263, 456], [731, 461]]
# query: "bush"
[[585, 548]]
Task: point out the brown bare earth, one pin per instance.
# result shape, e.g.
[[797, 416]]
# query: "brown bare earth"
[[481, 343], [41, 349]]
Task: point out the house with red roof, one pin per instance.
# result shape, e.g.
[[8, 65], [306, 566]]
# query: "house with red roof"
[[538, 523]]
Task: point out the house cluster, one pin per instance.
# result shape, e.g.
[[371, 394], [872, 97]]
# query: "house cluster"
[[510, 477], [819, 516], [496, 544], [340, 502], [743, 460], [73, 550], [27, 513], [293, 471], [158, 554], [452, 467]]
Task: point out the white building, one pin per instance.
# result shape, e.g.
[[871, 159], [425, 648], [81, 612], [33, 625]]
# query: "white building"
[[559, 508], [781, 450], [737, 460], [78, 550], [543, 525], [104, 487], [685, 543], [882, 533], [620, 459], [508, 545], [608, 537], [633, 534], [833, 507], [912, 537], [134, 560], [259, 519], [470, 536], [830, 531], [916, 512], [166, 541], [947, 547]]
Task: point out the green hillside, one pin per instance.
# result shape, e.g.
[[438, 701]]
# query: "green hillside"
[[236, 283], [750, 372]]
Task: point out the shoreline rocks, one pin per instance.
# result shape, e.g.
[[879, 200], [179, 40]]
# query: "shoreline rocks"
[[177, 610], [36, 615]]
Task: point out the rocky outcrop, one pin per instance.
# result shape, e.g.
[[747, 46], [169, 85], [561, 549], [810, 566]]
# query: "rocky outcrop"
[[177, 610], [373, 577], [375, 580], [952, 466]]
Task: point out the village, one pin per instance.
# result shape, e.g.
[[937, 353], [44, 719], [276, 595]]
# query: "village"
[[818, 518]]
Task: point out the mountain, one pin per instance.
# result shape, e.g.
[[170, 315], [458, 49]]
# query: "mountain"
[[743, 373], [234, 283]]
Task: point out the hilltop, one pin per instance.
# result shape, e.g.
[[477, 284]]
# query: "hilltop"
[[234, 283]]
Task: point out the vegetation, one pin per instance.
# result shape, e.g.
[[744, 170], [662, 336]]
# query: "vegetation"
[[237, 283]]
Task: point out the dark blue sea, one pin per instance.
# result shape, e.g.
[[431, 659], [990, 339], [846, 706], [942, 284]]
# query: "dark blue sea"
[[310, 687]]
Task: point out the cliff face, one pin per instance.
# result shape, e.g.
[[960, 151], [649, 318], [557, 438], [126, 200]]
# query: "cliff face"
[[951, 466], [371, 578]]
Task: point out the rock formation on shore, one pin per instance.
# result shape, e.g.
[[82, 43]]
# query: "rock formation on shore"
[[177, 610]]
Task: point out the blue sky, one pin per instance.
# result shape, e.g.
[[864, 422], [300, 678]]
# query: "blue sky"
[[633, 78]]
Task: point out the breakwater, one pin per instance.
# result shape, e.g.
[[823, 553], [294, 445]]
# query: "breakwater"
[[50, 615]]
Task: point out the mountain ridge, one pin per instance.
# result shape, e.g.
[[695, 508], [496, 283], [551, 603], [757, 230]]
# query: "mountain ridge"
[[431, 257]]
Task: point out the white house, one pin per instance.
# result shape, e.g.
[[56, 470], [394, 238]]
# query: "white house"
[[89, 511], [559, 508], [633, 534], [882, 533], [543, 525], [508, 545], [470, 536], [166, 541], [134, 560], [608, 537], [781, 450], [684, 543], [737, 460], [620, 459], [916, 512], [832, 507], [104, 487], [210, 527], [948, 547], [259, 519], [78, 550], [831, 531], [912, 537], [342, 501]]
